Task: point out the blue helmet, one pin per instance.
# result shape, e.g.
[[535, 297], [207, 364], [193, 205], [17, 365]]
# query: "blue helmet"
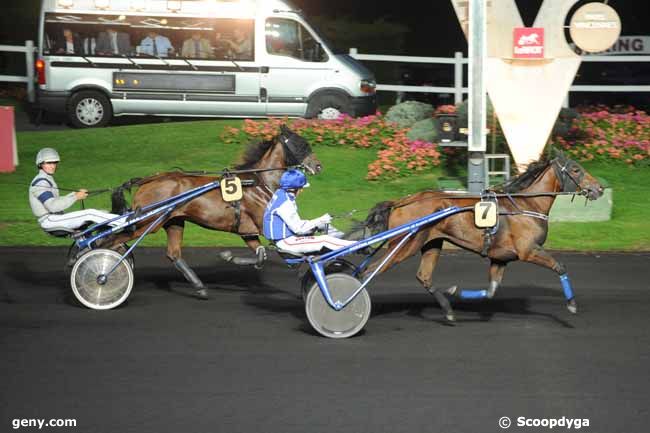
[[293, 179]]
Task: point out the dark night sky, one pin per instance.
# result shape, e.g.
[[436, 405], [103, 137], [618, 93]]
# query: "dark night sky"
[[434, 30]]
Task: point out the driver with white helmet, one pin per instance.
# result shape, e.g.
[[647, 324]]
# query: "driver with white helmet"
[[48, 206], [283, 225]]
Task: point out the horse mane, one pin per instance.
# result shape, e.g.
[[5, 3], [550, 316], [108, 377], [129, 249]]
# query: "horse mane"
[[253, 153], [525, 179]]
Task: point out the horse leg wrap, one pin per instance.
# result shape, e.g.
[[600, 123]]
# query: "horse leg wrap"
[[473, 294], [572, 306], [492, 289], [189, 274], [260, 252], [444, 304]]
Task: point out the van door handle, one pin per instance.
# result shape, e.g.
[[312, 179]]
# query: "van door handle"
[[264, 70]]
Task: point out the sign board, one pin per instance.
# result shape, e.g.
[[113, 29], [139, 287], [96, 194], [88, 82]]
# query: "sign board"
[[628, 46], [8, 151], [231, 189], [528, 43], [595, 27]]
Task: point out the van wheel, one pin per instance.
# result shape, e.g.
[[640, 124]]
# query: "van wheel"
[[89, 109], [328, 106]]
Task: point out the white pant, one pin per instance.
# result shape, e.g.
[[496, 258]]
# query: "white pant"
[[71, 221], [310, 244]]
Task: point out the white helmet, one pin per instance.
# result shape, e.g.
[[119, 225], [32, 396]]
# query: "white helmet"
[[47, 154]]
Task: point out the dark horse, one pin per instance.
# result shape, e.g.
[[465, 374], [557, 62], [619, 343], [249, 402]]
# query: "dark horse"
[[523, 204], [266, 162]]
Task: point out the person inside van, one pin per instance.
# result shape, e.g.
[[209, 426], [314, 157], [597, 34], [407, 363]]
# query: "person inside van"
[[196, 47], [156, 45], [240, 46], [67, 42], [111, 42]]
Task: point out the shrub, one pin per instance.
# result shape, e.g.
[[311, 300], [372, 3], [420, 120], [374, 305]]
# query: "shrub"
[[602, 133], [397, 156], [407, 113], [424, 130]]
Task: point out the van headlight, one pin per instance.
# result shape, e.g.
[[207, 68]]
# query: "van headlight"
[[368, 86]]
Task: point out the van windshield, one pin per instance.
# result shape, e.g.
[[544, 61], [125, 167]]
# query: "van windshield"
[[149, 36]]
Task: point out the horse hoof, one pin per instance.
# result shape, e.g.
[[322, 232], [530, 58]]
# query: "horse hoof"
[[226, 256], [201, 294], [572, 306], [450, 319]]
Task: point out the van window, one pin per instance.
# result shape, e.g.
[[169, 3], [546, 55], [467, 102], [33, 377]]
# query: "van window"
[[149, 36], [286, 37]]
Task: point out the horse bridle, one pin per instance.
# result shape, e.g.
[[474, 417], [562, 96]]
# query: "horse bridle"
[[294, 146], [562, 173]]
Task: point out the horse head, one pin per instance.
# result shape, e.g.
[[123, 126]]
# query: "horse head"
[[297, 151], [572, 177]]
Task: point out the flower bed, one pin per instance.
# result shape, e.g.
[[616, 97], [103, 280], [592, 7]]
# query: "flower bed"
[[397, 155], [603, 133]]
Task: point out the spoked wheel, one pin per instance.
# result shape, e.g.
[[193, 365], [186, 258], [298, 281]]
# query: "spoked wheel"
[[338, 324], [335, 267], [123, 248], [93, 287]]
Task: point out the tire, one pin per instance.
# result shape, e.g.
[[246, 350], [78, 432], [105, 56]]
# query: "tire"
[[338, 266], [343, 323], [328, 106], [86, 287], [89, 109]]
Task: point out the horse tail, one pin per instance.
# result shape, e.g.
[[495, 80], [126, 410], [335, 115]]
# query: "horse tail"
[[376, 222], [119, 205]]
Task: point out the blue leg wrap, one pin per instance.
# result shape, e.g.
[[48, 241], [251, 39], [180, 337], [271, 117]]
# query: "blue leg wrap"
[[473, 294], [566, 285]]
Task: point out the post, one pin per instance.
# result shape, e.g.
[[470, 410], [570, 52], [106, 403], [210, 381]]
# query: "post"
[[458, 77], [29, 61], [476, 166]]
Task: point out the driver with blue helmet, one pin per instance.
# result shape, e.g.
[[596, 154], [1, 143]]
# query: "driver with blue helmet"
[[283, 225]]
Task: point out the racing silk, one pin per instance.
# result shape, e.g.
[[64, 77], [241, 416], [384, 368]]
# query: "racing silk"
[[281, 219], [44, 196]]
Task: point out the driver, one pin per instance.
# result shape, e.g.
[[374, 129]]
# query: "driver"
[[283, 225], [48, 206]]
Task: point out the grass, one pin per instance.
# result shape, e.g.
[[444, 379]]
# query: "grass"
[[102, 158]]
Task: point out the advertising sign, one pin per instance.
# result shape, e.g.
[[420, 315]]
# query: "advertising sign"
[[528, 43]]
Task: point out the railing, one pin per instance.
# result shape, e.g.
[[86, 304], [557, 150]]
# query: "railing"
[[458, 61], [29, 50]]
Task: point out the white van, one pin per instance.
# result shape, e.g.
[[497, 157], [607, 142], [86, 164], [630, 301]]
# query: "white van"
[[223, 58]]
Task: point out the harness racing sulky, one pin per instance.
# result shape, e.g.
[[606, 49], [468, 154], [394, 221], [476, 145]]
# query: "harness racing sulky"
[[504, 224]]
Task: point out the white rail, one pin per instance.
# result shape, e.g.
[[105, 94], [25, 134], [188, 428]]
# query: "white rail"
[[29, 50], [458, 61]]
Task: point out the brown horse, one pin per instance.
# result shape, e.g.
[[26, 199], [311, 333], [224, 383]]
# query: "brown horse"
[[265, 161], [523, 204]]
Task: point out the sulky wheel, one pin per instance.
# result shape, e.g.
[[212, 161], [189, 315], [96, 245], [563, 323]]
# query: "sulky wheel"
[[338, 324], [337, 266], [96, 290]]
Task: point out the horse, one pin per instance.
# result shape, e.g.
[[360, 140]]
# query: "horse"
[[523, 203], [263, 162]]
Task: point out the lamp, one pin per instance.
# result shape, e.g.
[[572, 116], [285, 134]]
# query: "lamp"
[[67, 4]]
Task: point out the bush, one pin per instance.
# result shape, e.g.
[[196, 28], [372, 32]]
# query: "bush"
[[602, 133], [406, 114], [398, 156], [424, 130]]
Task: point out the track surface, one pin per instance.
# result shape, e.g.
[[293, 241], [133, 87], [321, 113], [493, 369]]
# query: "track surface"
[[247, 360]]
